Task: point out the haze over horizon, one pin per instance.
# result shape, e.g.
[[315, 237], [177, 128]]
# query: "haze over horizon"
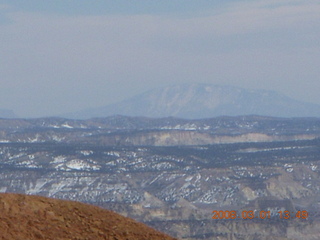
[[63, 57]]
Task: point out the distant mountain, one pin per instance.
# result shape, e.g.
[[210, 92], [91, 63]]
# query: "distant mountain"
[[204, 101], [6, 113]]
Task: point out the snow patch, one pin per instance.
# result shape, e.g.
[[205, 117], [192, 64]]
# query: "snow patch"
[[59, 159], [78, 164], [66, 125]]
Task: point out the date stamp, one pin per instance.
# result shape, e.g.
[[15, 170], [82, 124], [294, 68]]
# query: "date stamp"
[[219, 215]]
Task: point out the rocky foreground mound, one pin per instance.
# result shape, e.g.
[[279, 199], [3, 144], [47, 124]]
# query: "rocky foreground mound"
[[34, 217]]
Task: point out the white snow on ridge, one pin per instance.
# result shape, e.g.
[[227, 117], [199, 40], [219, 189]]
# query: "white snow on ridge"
[[313, 167], [59, 159], [35, 139], [54, 126], [57, 139], [28, 164], [78, 164], [182, 127], [113, 153], [37, 186], [86, 153], [66, 125]]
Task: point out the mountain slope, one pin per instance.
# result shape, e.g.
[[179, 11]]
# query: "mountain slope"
[[205, 101], [34, 217]]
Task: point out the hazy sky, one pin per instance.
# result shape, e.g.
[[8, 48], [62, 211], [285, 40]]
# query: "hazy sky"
[[61, 56]]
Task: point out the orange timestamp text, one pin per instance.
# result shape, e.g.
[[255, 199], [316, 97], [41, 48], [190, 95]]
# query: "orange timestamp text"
[[258, 214]]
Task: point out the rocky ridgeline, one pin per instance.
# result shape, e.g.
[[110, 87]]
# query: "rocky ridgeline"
[[137, 131], [34, 217]]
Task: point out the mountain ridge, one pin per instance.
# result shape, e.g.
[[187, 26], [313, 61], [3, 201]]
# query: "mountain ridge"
[[195, 101]]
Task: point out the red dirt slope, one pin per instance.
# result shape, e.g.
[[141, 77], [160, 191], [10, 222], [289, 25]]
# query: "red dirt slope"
[[33, 217]]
